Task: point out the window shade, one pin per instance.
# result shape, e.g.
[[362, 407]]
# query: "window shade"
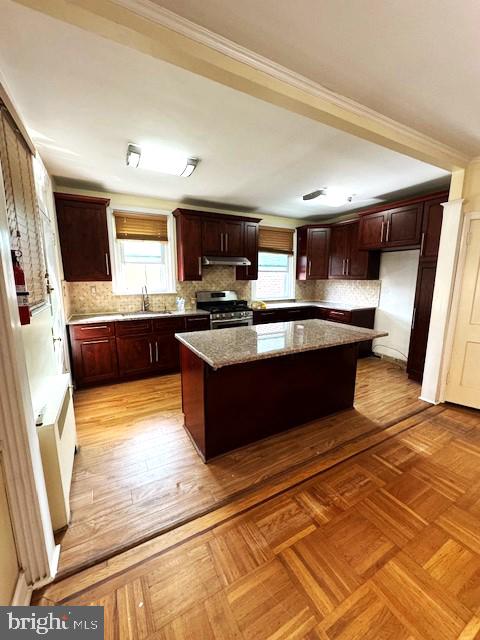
[[275, 240], [141, 226], [24, 218]]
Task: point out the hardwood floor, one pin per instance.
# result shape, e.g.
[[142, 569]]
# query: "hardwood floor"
[[385, 545], [137, 475]]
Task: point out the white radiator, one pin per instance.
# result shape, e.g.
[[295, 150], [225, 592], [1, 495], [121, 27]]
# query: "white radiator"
[[57, 435]]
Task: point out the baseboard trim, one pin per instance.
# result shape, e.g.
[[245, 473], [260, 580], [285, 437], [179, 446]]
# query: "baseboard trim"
[[23, 593]]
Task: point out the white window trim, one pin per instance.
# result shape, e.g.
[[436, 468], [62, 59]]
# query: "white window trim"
[[291, 282], [171, 252]]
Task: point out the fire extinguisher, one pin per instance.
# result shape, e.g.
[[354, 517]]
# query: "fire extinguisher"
[[22, 293]]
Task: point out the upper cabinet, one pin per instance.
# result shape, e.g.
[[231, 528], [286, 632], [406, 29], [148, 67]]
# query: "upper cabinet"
[[313, 252], [396, 228], [82, 229], [205, 234], [431, 229], [347, 261]]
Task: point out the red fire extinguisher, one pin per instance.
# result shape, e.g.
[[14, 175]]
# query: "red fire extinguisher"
[[22, 293]]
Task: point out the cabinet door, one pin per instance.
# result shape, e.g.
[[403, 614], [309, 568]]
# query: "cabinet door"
[[372, 231], [233, 239], [189, 247], [421, 320], [361, 265], [94, 360], [339, 240], [431, 229], [317, 253], [250, 251], [264, 317], [404, 226], [213, 242], [82, 229], [136, 354], [166, 352]]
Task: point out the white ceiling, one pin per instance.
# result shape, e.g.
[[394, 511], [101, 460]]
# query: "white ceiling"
[[84, 98], [416, 61]]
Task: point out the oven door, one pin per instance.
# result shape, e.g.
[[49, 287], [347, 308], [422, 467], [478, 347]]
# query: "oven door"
[[227, 324]]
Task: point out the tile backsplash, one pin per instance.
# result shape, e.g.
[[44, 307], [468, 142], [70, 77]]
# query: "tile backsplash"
[[93, 297]]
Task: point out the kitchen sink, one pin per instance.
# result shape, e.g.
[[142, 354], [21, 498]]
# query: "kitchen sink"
[[141, 314]]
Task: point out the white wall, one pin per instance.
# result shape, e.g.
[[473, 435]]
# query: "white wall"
[[398, 276]]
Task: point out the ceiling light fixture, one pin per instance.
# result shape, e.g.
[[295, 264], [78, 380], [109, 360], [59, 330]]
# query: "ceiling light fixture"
[[156, 159], [331, 197]]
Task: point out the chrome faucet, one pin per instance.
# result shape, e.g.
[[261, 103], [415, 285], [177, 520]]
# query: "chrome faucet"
[[145, 299]]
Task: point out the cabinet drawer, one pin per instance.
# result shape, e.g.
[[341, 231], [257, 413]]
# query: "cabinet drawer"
[[338, 316], [197, 323], [131, 327], [168, 325], [87, 331]]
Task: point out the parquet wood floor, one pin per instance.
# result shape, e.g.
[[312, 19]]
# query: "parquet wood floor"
[[383, 546], [137, 475]]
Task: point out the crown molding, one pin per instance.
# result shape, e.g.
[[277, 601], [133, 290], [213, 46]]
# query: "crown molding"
[[170, 20]]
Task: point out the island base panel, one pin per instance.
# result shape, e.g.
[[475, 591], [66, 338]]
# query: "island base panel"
[[236, 405]]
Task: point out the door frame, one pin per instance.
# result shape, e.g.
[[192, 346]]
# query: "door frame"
[[457, 291], [25, 483]]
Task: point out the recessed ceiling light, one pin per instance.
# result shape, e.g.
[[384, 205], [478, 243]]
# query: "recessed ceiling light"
[[157, 159]]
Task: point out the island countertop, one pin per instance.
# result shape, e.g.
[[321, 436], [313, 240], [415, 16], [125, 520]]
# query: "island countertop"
[[225, 347]]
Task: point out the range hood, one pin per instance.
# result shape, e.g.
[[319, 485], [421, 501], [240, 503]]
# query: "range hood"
[[226, 261]]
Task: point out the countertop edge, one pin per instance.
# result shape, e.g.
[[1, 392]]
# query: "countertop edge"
[[75, 319]]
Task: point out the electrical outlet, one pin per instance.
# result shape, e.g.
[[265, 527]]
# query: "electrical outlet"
[[93, 290]]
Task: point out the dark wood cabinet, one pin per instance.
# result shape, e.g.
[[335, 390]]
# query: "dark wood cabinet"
[[94, 360], [250, 243], [347, 262], [404, 226], [372, 231], [114, 351], [421, 320], [427, 267], [205, 234], [135, 354], [431, 229], [312, 252], [83, 234], [189, 246]]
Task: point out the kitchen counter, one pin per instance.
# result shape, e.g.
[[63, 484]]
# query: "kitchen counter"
[[225, 347], [92, 318], [242, 384], [323, 304]]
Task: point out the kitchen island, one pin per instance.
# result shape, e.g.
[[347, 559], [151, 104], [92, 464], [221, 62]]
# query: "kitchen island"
[[243, 384]]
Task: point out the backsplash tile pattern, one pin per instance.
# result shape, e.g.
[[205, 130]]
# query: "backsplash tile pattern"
[[354, 292], [97, 297]]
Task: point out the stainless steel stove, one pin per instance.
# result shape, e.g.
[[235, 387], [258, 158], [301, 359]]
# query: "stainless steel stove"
[[226, 310]]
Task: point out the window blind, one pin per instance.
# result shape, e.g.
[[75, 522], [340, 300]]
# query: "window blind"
[[140, 226], [275, 240], [24, 218]]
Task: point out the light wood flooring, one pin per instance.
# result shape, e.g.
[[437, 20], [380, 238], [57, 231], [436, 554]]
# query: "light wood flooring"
[[137, 474], [383, 546]]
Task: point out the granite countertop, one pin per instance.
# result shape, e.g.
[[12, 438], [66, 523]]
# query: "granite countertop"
[[340, 306], [91, 318], [223, 347]]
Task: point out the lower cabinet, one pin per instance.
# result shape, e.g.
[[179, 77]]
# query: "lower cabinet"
[[131, 348], [94, 360]]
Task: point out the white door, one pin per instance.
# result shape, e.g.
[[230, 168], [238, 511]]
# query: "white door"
[[47, 209], [463, 382]]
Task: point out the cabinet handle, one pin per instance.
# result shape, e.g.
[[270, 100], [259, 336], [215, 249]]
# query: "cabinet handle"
[[422, 244], [107, 264], [150, 348], [381, 231], [309, 267], [221, 242], [156, 351], [95, 341], [97, 326], [347, 266], [413, 317], [226, 242], [388, 230], [195, 320], [199, 266]]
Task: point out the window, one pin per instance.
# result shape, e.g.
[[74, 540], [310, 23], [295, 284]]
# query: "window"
[[275, 277], [140, 261]]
